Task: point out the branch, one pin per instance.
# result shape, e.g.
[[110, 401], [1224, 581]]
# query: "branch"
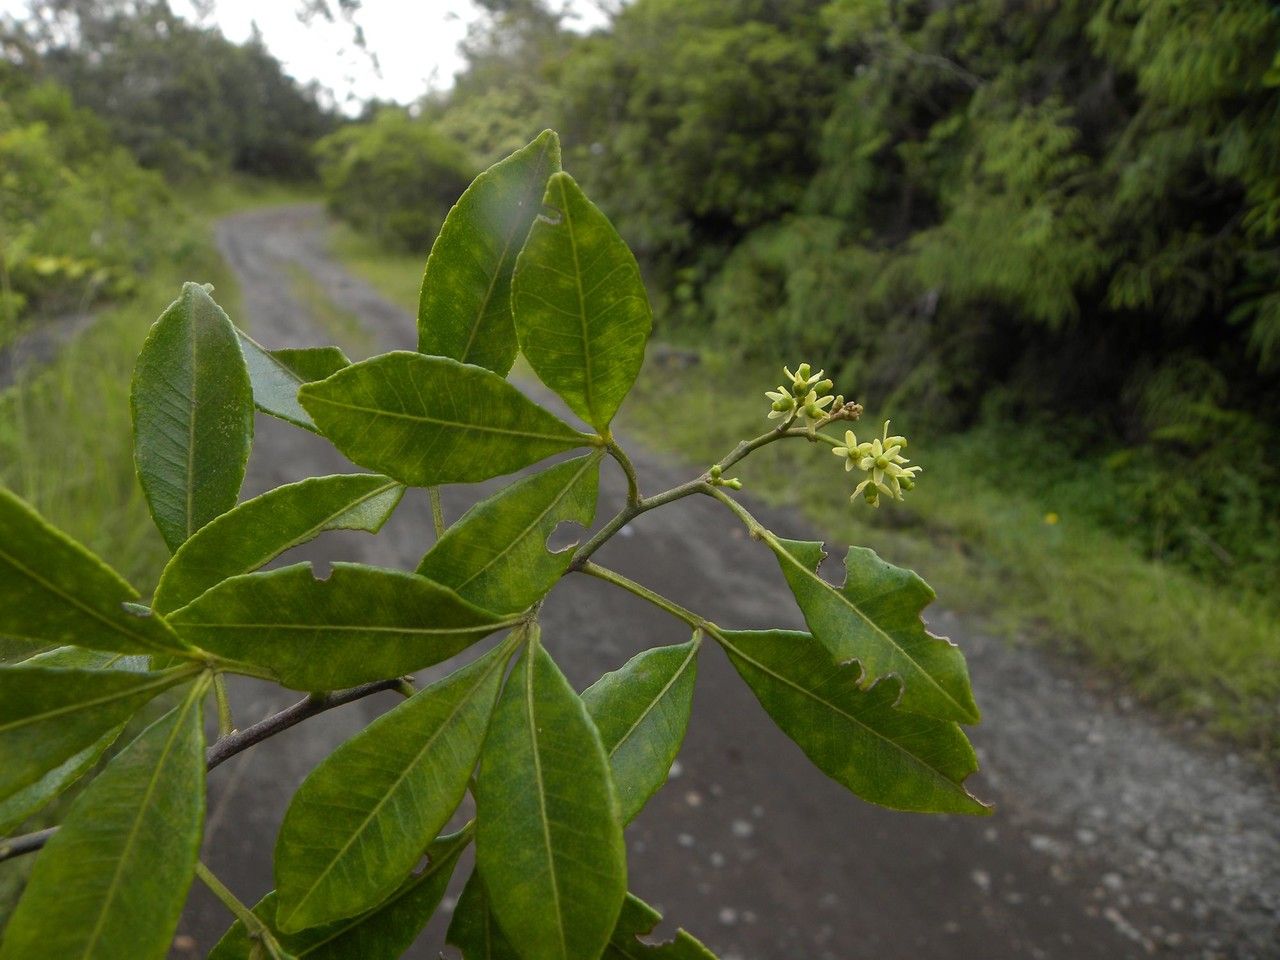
[[227, 747]]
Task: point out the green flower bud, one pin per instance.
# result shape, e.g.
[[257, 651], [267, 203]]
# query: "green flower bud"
[[715, 472]]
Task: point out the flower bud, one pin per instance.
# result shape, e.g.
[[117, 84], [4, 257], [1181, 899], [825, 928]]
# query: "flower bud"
[[715, 472]]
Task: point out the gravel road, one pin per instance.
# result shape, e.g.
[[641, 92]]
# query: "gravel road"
[[1112, 839]]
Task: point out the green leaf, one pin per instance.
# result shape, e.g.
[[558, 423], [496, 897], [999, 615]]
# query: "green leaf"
[[874, 618], [581, 311], [642, 712], [261, 529], [548, 836], [384, 933], [53, 590], [474, 930], [192, 415], [359, 823], [360, 624], [464, 310], [276, 376], [856, 736], [111, 882], [431, 420], [496, 555], [48, 715], [638, 919]]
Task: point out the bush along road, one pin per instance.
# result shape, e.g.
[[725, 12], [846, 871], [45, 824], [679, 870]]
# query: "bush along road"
[[1111, 838]]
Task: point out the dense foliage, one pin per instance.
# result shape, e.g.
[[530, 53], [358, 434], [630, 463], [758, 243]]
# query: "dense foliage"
[[183, 98], [1065, 215], [79, 219], [526, 264]]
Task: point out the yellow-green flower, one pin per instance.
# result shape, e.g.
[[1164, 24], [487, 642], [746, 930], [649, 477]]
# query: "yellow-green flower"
[[882, 461], [783, 403], [802, 380]]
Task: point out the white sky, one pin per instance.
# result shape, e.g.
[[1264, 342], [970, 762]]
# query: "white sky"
[[416, 42]]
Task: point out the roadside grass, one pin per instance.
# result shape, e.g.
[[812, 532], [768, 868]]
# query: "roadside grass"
[[395, 274], [342, 327]]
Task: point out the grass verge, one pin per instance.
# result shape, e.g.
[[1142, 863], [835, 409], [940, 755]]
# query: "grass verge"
[[1031, 569]]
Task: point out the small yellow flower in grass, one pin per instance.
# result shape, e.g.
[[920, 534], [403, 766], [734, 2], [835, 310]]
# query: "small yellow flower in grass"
[[1051, 519], [882, 461]]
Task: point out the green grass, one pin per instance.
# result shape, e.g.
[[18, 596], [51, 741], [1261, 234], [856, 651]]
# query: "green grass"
[[1030, 568], [342, 327]]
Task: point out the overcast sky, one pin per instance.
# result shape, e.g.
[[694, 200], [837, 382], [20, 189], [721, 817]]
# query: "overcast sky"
[[416, 42]]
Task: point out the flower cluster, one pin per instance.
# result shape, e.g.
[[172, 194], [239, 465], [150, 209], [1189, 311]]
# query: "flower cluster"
[[882, 461], [807, 396]]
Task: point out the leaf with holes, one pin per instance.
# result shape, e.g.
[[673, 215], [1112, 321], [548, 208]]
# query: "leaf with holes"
[[432, 420], [53, 590], [359, 823], [874, 618], [276, 375], [360, 624], [638, 920], [111, 882], [856, 736], [548, 836], [259, 530], [642, 712], [383, 933], [192, 415], [581, 310], [496, 555], [464, 309]]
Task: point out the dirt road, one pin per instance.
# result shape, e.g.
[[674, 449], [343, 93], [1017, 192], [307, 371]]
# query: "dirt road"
[[1112, 840]]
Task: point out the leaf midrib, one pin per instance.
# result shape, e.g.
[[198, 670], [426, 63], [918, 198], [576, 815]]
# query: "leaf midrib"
[[693, 652], [399, 781], [591, 461], [114, 885], [542, 799], [836, 709], [158, 683], [582, 302], [811, 574], [572, 435]]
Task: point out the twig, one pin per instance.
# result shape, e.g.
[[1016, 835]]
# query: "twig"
[[227, 747]]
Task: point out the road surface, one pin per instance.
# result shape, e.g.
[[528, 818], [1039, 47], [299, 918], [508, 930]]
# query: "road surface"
[[1112, 839]]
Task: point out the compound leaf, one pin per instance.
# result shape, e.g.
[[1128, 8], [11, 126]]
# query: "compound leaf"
[[856, 736], [581, 311], [432, 420], [53, 590], [276, 375], [192, 415], [111, 882], [50, 714], [358, 625], [359, 823], [496, 555], [474, 930], [464, 309], [638, 919], [548, 836], [874, 618], [642, 713], [383, 933], [259, 530]]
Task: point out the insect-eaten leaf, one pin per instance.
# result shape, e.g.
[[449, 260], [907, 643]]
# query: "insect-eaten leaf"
[[358, 625], [383, 933], [110, 884], [53, 590], [581, 311], [496, 555], [548, 834], [642, 713], [358, 824], [276, 375], [874, 618], [856, 736], [50, 714], [259, 530], [464, 308], [192, 408], [431, 420], [638, 919]]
